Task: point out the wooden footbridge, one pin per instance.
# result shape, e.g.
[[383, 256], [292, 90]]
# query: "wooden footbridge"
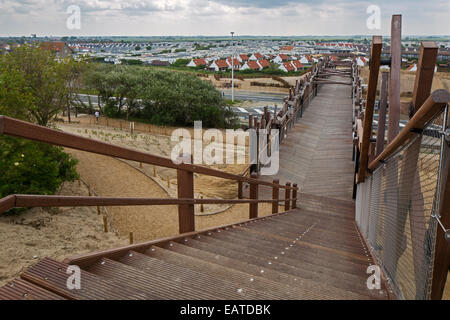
[[323, 244]]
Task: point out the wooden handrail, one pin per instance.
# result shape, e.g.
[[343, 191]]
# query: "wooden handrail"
[[28, 201], [435, 103], [22, 129]]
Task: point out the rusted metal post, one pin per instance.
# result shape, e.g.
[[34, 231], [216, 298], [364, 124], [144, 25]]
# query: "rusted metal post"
[[186, 212], [394, 76], [382, 113], [253, 196], [294, 196], [275, 196], [375, 58], [287, 196]]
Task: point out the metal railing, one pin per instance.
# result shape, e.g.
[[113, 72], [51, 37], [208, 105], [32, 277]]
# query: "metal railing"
[[402, 190]]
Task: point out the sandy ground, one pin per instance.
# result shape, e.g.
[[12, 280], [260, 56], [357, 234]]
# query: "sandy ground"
[[58, 233], [441, 80], [111, 177]]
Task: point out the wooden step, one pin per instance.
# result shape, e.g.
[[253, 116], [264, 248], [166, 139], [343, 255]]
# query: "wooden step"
[[310, 289], [19, 289], [288, 266], [211, 284], [51, 275]]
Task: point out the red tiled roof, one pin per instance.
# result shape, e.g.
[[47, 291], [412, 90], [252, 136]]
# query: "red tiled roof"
[[53, 46], [288, 66], [259, 56], [253, 65], [200, 62], [297, 64], [221, 64], [264, 63], [283, 56], [288, 48], [236, 61], [243, 57]]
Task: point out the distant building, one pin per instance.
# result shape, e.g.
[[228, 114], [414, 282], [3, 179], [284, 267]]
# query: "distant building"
[[243, 58], [287, 67], [281, 58], [159, 63], [256, 56], [297, 65], [361, 61], [236, 64], [60, 49], [252, 65], [197, 63], [219, 65]]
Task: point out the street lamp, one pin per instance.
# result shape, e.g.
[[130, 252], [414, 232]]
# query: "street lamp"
[[232, 69]]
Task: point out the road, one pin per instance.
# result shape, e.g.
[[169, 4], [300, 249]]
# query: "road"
[[266, 99]]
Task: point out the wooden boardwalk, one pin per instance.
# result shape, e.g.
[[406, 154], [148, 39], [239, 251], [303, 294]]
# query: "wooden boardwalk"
[[317, 154], [311, 252]]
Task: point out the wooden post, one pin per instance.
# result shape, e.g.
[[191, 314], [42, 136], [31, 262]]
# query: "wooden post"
[[202, 208], [186, 212], [98, 210], [425, 73], [154, 171], [240, 190], [168, 182], [375, 57], [250, 121], [105, 223], [140, 165], [382, 113], [294, 196], [287, 197], [253, 211], [131, 238], [394, 77], [89, 191], [275, 196]]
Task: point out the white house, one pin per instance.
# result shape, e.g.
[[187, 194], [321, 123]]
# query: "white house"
[[256, 56], [281, 58], [361, 61], [251, 65], [304, 60]]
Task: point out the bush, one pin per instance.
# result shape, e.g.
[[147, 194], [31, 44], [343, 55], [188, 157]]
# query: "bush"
[[28, 167]]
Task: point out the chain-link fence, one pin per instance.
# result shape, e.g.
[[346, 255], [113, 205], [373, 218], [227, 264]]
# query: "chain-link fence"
[[395, 209]]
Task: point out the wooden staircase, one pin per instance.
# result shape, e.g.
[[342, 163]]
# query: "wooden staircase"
[[313, 252]]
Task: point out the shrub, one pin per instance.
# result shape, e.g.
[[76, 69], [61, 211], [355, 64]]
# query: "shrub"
[[28, 167]]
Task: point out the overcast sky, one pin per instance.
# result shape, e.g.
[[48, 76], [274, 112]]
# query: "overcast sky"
[[219, 17]]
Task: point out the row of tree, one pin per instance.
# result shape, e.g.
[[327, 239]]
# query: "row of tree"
[[158, 96]]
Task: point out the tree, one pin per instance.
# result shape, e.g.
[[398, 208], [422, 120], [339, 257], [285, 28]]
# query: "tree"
[[41, 79], [137, 48]]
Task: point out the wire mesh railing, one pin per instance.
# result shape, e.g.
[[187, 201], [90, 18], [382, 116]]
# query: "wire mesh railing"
[[396, 211]]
